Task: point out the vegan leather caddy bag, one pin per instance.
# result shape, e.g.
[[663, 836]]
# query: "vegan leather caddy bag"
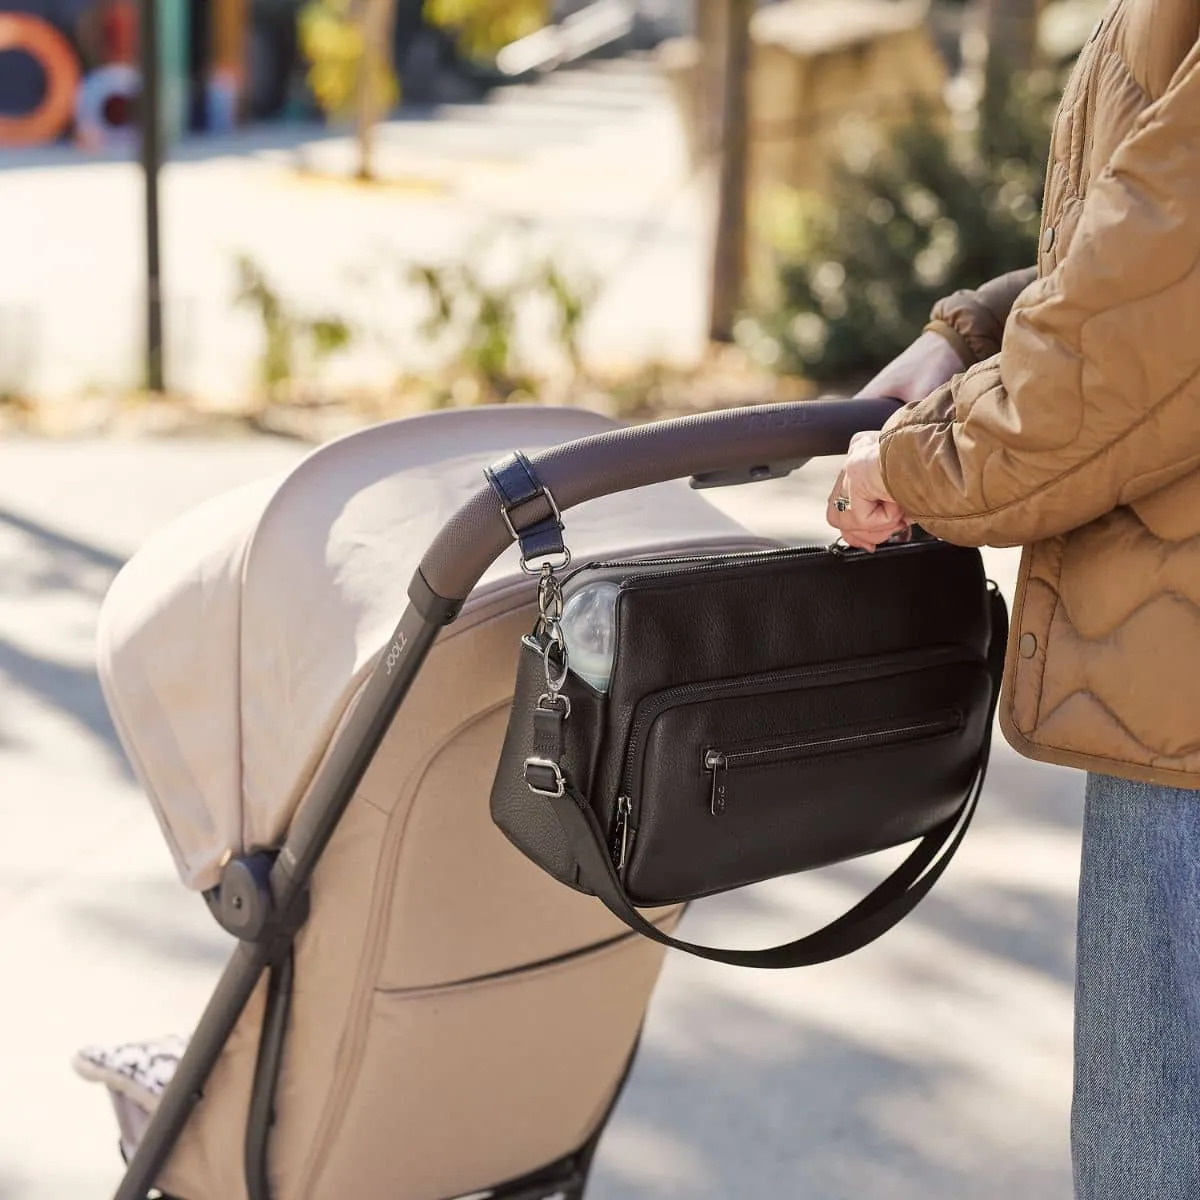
[[768, 713]]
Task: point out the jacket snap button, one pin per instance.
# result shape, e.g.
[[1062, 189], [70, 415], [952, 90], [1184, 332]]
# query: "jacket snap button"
[[1048, 239], [1028, 645]]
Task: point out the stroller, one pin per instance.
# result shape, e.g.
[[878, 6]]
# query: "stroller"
[[401, 1016]]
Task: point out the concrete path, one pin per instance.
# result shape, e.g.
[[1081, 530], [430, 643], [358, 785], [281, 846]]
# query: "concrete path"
[[934, 1066]]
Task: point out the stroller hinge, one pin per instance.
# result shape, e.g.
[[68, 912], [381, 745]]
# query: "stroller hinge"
[[244, 905]]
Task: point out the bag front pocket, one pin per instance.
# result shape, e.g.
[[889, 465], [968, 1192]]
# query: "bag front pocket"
[[797, 747], [794, 771]]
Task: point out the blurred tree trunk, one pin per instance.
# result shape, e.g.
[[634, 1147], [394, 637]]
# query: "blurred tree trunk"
[[1000, 41], [711, 18], [376, 21], [727, 67], [1011, 27]]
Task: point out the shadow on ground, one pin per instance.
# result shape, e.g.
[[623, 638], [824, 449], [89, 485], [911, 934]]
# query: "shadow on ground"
[[806, 1115], [69, 577]]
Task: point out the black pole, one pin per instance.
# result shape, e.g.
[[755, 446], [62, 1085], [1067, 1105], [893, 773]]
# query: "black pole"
[[729, 247], [276, 1012], [151, 145]]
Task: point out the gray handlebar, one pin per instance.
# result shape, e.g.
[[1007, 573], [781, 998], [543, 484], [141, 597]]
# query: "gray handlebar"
[[641, 455]]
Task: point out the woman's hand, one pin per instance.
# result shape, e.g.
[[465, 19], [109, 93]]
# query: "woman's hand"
[[860, 507]]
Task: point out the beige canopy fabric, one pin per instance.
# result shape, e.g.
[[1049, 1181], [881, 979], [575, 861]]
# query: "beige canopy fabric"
[[233, 643]]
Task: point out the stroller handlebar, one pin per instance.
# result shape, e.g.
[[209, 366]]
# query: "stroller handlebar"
[[707, 444]]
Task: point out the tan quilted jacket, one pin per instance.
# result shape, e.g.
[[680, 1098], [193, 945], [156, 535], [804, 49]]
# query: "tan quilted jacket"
[[1080, 438]]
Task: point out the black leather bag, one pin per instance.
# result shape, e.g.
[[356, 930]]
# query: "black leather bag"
[[768, 713]]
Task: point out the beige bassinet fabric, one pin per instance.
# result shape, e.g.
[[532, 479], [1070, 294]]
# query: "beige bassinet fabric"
[[232, 643]]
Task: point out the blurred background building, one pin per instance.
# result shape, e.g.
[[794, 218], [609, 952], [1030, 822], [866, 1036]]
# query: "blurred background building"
[[228, 62]]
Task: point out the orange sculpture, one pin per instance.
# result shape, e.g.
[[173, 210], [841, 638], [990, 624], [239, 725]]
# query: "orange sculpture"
[[53, 53]]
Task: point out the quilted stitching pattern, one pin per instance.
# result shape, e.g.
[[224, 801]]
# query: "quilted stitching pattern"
[[1080, 439]]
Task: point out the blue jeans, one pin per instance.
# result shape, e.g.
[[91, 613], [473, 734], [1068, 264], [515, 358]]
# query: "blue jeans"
[[1135, 1120]]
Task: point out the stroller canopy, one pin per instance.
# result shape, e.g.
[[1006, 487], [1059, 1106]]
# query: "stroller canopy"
[[234, 643]]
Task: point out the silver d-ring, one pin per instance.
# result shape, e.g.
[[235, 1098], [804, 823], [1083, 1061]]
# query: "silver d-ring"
[[533, 566], [551, 701]]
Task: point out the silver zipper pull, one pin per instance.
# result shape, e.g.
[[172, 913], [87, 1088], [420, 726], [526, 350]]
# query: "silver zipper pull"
[[621, 841], [716, 762]]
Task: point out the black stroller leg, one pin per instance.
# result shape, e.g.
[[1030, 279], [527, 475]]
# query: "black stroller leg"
[[266, 1075], [210, 1037], [230, 998]]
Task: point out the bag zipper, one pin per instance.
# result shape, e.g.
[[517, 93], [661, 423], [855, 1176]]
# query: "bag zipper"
[[620, 847], [652, 706], [699, 563], [718, 762]]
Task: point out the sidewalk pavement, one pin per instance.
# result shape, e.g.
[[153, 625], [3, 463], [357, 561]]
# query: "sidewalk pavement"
[[933, 1066]]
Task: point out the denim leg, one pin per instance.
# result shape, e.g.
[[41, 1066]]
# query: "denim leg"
[[1135, 1120]]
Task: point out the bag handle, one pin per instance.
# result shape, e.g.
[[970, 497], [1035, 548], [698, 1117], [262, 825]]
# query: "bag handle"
[[882, 909]]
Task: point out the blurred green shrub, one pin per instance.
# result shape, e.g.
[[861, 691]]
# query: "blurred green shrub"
[[293, 343], [473, 310], [856, 273]]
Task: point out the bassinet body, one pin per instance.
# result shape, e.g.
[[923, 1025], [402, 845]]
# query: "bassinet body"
[[458, 1018]]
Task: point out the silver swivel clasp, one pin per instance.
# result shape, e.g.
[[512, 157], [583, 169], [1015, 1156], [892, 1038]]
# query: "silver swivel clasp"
[[555, 659]]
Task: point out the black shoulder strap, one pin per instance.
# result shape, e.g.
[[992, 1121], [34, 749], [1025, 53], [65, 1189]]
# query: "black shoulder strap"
[[868, 920], [872, 917]]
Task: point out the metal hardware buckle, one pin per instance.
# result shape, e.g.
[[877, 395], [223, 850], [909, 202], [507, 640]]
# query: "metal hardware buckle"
[[527, 564], [544, 562], [561, 783], [550, 701], [516, 537]]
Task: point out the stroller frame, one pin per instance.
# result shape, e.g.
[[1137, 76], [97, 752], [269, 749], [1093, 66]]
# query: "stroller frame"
[[263, 898]]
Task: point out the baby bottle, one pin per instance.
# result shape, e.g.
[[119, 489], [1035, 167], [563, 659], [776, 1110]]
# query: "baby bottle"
[[589, 625]]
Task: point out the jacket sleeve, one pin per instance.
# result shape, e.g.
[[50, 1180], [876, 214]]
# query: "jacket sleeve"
[[973, 320], [1094, 398]]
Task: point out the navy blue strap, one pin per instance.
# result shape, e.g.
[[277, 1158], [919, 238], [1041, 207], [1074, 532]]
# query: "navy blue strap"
[[529, 509]]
